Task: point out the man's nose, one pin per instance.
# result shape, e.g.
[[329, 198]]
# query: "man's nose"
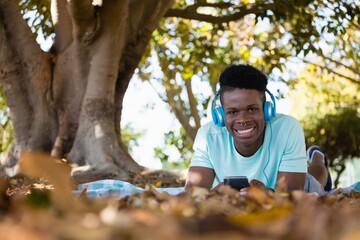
[[243, 116]]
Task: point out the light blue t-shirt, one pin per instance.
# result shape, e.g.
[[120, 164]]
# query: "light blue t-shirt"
[[283, 150]]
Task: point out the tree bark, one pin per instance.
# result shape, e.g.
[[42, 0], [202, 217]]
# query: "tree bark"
[[25, 75], [69, 103]]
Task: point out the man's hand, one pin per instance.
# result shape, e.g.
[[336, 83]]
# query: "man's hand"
[[255, 183]]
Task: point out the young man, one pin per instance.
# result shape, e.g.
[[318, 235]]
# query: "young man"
[[247, 138]]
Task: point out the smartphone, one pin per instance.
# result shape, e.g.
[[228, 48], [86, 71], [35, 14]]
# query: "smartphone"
[[237, 182]]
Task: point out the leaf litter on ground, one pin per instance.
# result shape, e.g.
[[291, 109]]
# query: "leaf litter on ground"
[[39, 204]]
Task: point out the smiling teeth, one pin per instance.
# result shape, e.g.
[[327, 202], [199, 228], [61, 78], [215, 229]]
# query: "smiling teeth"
[[245, 131]]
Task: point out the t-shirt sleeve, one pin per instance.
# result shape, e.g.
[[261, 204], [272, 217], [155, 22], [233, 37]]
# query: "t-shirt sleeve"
[[294, 157], [201, 156]]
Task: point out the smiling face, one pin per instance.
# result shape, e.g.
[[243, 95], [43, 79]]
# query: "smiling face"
[[244, 118]]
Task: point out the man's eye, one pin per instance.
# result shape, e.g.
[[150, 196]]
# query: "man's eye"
[[232, 112], [252, 109]]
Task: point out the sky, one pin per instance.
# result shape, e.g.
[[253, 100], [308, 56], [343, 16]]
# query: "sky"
[[155, 121]]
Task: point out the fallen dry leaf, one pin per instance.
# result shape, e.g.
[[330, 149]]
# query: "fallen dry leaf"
[[40, 165], [197, 214]]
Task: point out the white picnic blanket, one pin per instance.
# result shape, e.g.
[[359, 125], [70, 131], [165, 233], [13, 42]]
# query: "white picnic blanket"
[[110, 187]]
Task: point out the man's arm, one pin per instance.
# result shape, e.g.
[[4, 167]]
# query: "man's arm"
[[294, 180], [200, 177]]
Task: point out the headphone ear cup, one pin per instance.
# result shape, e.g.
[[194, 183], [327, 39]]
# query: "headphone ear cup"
[[217, 113], [221, 115], [269, 111], [270, 108], [218, 116]]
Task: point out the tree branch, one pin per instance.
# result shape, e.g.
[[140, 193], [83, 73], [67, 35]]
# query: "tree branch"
[[353, 80], [62, 25], [204, 3], [177, 106], [81, 10], [178, 109], [86, 20], [338, 63], [138, 36], [35, 73], [14, 87], [35, 64], [356, 71], [192, 103], [191, 12], [21, 39]]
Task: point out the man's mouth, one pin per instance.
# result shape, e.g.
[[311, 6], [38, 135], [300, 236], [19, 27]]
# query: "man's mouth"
[[244, 132]]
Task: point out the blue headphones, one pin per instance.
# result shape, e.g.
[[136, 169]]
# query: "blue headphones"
[[218, 114]]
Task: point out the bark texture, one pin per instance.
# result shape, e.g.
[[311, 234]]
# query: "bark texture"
[[69, 102]]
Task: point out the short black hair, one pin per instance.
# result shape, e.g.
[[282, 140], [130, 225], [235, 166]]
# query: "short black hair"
[[243, 76]]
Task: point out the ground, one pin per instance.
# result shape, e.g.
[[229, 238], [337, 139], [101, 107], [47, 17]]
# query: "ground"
[[33, 207]]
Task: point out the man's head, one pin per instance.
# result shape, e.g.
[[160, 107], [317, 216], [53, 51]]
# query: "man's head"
[[242, 94]]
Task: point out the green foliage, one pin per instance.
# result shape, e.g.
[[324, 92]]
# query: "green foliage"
[[338, 134], [186, 48], [328, 108], [129, 136], [37, 14], [177, 140], [337, 47], [320, 94], [6, 130]]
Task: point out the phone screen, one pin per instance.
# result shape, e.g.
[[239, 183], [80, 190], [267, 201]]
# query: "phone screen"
[[237, 182]]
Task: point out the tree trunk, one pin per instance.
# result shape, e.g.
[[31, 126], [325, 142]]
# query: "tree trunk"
[[69, 103], [25, 73]]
